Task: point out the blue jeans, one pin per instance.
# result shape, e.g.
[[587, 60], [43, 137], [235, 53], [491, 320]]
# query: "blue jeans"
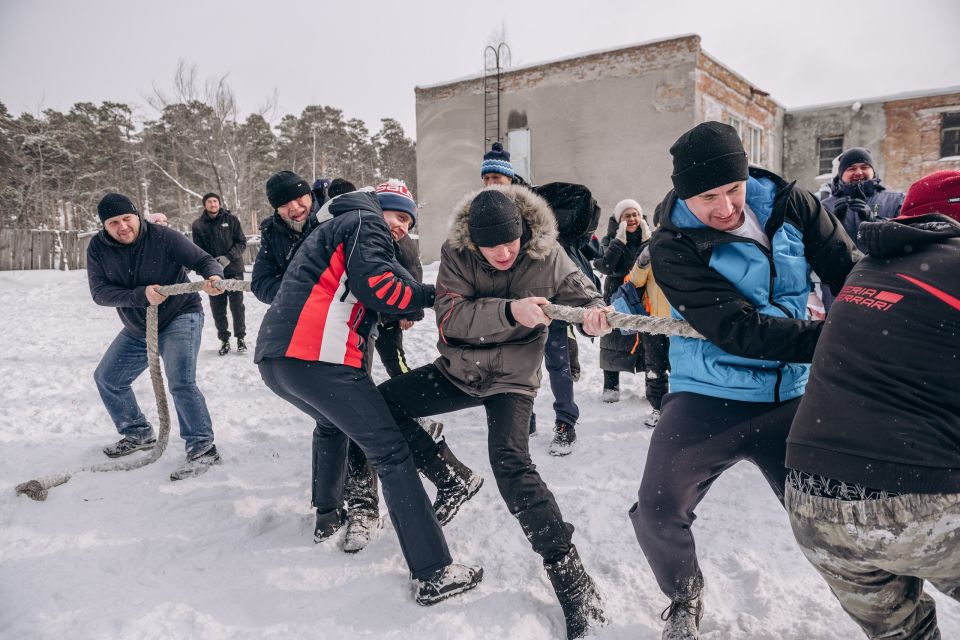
[[556, 355], [126, 359]]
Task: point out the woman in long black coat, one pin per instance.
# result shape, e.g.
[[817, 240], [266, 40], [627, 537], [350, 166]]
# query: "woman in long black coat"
[[627, 234]]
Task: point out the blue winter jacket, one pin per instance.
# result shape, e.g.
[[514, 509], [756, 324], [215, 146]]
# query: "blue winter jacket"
[[748, 301]]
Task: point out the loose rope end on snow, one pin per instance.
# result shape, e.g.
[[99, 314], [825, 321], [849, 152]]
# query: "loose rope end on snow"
[[37, 489]]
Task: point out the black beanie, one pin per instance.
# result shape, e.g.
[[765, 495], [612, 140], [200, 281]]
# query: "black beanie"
[[854, 156], [284, 186], [339, 186], [706, 157], [114, 204], [211, 195], [494, 219]]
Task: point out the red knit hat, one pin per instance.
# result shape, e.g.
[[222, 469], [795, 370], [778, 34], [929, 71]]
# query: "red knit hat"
[[938, 192]]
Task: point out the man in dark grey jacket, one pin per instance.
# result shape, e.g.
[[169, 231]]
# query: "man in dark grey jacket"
[[219, 233], [126, 264]]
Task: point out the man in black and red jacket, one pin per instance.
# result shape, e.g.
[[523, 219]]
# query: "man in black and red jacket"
[[311, 350], [873, 490]]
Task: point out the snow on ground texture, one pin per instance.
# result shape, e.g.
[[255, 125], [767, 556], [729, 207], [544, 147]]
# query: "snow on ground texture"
[[131, 555]]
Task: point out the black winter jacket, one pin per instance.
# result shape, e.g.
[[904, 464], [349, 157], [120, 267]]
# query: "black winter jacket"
[[343, 270], [278, 243], [882, 407], [618, 258], [221, 235], [118, 274]]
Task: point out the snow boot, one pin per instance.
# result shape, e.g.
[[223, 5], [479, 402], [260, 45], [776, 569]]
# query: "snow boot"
[[328, 523], [431, 426], [197, 464], [683, 615], [611, 395], [124, 447], [241, 346], [362, 526], [444, 583], [564, 435], [533, 424], [578, 594], [652, 419], [224, 347], [456, 483]]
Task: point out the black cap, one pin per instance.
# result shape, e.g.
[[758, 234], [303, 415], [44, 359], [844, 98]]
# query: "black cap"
[[212, 195], [854, 156], [494, 219], [284, 186], [115, 204], [706, 157]]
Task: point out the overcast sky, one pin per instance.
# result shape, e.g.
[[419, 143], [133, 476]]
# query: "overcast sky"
[[366, 56]]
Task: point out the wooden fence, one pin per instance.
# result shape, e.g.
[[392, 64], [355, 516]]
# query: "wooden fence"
[[28, 249]]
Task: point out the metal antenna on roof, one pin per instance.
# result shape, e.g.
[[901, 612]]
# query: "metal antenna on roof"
[[495, 59]]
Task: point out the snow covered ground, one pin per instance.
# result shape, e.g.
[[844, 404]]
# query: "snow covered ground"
[[230, 554]]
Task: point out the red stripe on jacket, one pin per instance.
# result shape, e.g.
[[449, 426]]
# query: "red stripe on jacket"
[[308, 334]]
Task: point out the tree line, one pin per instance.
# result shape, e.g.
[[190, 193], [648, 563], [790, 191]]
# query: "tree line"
[[55, 167]]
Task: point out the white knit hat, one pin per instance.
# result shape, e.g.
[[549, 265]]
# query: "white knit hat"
[[623, 205]]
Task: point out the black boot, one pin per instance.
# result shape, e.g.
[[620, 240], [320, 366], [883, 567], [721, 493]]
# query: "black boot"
[[444, 583], [362, 498], [564, 435], [578, 595], [224, 347], [683, 615], [456, 483], [328, 523], [241, 346]]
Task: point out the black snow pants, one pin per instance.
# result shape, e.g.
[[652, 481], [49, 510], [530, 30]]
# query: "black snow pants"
[[218, 307], [698, 438], [427, 392], [345, 400], [389, 345], [656, 361]]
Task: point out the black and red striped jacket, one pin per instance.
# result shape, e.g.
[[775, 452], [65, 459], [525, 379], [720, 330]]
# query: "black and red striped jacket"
[[344, 273]]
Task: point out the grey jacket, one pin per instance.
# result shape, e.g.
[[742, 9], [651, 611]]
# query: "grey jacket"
[[481, 350]]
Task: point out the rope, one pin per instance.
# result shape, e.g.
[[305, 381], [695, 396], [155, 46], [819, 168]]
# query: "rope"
[[37, 488], [644, 324]]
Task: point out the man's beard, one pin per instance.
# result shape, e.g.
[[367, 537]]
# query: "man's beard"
[[296, 226]]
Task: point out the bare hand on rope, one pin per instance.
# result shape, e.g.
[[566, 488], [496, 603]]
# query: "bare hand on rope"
[[154, 297], [528, 311], [210, 288], [595, 321]]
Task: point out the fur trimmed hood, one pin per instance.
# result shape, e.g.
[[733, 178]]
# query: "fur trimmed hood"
[[539, 224]]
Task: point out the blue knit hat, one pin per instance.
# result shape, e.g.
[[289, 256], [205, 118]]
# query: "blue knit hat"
[[394, 196], [497, 161]]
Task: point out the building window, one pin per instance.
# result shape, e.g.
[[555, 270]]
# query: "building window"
[[950, 135], [828, 149], [737, 124], [756, 144]]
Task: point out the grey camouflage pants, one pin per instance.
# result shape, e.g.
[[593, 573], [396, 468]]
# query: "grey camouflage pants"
[[875, 555]]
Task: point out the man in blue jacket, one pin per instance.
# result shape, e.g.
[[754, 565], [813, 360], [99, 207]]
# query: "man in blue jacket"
[[731, 255], [127, 262]]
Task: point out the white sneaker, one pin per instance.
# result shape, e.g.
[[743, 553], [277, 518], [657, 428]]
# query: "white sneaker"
[[611, 395]]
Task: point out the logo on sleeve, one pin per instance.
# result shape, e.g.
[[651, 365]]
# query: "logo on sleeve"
[[869, 297]]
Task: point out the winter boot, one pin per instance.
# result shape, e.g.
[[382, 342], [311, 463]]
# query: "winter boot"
[[578, 595], [564, 435], [652, 419], [224, 347], [683, 615], [431, 426], [362, 526], [445, 583], [611, 395], [328, 523], [241, 346], [125, 447], [533, 424], [197, 464], [456, 483]]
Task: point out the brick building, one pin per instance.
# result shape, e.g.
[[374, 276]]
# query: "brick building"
[[606, 119]]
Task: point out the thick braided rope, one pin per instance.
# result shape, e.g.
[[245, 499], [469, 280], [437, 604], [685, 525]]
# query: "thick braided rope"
[[37, 489], [644, 324]]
